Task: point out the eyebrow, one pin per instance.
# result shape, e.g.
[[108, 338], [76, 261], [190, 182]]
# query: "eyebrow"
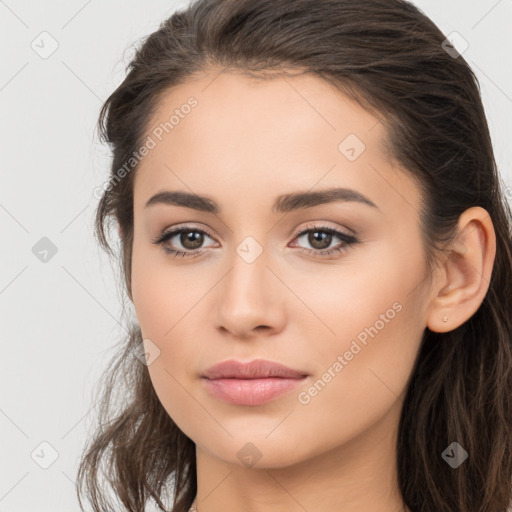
[[283, 203]]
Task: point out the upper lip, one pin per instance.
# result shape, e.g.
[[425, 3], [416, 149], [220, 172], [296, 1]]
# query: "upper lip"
[[258, 368]]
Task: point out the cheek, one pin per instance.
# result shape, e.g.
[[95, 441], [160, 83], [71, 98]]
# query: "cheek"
[[368, 318], [362, 373], [373, 286], [162, 297], [361, 383], [166, 318], [163, 292]]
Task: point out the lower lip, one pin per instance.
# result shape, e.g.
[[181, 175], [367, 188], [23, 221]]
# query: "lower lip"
[[250, 391]]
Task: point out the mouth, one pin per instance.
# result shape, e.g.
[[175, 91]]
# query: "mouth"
[[255, 369], [253, 383], [250, 391]]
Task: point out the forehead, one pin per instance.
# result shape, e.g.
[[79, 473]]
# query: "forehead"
[[256, 137]]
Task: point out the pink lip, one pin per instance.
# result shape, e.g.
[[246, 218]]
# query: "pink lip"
[[251, 383], [250, 391], [255, 369]]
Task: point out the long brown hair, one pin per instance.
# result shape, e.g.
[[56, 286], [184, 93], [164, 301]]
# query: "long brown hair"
[[393, 60]]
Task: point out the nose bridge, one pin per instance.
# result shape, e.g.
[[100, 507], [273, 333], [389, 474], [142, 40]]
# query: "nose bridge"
[[248, 280], [248, 296]]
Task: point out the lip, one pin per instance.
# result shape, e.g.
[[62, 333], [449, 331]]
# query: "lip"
[[255, 369], [253, 383]]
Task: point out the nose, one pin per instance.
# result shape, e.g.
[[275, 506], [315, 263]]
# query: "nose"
[[250, 299]]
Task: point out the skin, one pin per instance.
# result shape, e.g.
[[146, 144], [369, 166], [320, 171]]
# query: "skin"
[[245, 143]]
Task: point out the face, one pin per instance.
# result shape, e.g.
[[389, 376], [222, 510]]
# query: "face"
[[332, 287]]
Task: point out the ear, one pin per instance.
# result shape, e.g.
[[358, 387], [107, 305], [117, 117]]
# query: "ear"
[[465, 274]]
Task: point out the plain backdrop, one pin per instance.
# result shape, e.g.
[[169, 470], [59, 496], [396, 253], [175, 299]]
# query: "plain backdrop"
[[59, 298]]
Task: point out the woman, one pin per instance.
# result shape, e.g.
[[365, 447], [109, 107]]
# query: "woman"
[[318, 252]]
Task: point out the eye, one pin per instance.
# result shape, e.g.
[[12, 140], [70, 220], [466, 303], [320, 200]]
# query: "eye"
[[192, 239], [321, 237]]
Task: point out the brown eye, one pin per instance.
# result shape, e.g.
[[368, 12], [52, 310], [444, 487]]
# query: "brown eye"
[[319, 239], [191, 239]]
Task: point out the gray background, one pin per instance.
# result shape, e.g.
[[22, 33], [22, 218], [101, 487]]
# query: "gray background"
[[61, 318]]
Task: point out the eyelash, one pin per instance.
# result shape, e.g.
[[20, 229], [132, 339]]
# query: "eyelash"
[[348, 240]]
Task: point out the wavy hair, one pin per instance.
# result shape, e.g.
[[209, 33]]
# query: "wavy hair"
[[394, 61]]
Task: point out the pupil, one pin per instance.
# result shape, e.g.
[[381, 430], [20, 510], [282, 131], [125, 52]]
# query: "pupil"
[[322, 238], [193, 237]]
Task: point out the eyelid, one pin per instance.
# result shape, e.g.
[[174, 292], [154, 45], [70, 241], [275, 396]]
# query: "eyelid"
[[176, 228], [349, 233], [347, 240]]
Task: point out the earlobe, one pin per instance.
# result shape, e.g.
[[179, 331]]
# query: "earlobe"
[[465, 273]]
